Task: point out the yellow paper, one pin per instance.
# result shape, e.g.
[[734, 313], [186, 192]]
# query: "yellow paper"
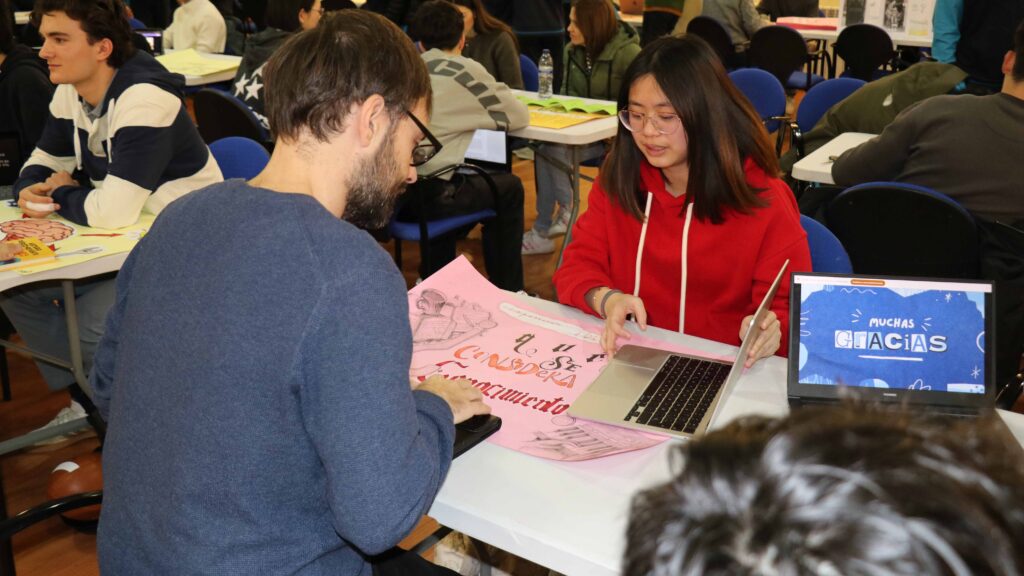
[[557, 120], [71, 242], [192, 63]]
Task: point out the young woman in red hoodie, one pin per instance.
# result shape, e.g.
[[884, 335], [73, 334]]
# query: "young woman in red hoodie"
[[687, 224]]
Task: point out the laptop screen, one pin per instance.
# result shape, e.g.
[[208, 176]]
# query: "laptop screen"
[[155, 39], [890, 335]]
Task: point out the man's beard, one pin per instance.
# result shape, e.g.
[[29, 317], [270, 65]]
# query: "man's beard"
[[374, 187]]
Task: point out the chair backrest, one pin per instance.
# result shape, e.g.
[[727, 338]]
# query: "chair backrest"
[[823, 96], [864, 48], [764, 91], [714, 33], [135, 24], [827, 252], [531, 75], [778, 49], [904, 230], [239, 157], [220, 114]]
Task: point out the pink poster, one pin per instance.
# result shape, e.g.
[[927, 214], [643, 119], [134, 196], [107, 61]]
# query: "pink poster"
[[530, 365]]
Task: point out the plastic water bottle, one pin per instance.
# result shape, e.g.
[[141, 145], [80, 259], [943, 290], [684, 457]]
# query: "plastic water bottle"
[[546, 76]]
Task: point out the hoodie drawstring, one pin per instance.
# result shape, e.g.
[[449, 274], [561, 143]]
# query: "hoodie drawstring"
[[640, 249], [682, 282], [110, 120], [78, 144]]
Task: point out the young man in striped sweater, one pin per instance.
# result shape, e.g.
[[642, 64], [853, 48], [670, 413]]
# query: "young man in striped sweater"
[[118, 142]]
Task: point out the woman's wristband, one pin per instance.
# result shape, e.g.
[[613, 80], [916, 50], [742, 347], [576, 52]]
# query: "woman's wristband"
[[604, 300]]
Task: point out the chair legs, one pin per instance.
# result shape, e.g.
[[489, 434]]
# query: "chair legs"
[[5, 375]]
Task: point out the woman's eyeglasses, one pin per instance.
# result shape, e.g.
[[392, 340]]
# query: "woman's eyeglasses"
[[422, 153], [665, 124]]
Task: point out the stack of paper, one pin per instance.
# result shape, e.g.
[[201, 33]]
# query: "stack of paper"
[[571, 105], [192, 63]]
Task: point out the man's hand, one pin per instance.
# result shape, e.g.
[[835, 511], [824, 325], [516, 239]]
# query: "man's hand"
[[463, 398], [768, 341], [616, 308], [35, 200], [58, 179], [9, 250]]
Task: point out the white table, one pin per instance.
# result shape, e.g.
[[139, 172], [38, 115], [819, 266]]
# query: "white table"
[[574, 137], [817, 166], [572, 517], [898, 38], [22, 18]]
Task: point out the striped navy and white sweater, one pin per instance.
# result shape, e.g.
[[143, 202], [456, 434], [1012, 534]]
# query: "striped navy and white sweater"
[[141, 152]]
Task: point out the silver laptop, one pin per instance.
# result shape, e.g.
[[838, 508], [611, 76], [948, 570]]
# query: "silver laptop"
[[664, 392], [916, 342]]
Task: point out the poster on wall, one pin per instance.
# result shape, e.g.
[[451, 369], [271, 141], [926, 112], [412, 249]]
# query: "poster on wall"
[[897, 17]]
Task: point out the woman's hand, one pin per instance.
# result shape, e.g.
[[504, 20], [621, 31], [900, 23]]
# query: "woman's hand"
[[616, 308], [768, 341]]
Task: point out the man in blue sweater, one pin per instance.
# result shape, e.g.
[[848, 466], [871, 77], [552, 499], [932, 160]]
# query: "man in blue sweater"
[[254, 371], [118, 141]]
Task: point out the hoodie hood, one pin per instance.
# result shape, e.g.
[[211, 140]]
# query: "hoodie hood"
[[625, 35], [22, 56]]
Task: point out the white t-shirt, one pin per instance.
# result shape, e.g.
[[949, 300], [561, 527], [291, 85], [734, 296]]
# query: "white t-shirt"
[[197, 24]]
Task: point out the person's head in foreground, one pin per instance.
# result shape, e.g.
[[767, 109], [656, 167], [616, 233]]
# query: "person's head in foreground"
[[680, 111], [323, 104], [840, 491]]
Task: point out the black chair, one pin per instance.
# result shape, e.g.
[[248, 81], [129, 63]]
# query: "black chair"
[[904, 230], [864, 48], [220, 115], [783, 52], [714, 33]]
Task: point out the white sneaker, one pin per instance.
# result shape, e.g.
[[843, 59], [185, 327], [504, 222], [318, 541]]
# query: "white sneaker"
[[534, 243], [561, 223], [67, 414]]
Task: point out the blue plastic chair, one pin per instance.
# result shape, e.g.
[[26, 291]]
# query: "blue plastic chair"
[[890, 228], [827, 252], [239, 157], [135, 24], [531, 75], [818, 101], [765, 92], [423, 230]]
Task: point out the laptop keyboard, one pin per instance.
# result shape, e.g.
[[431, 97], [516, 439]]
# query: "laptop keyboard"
[[680, 394]]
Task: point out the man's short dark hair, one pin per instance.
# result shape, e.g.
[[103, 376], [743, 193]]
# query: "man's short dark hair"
[[437, 24], [99, 19], [1018, 49], [837, 491], [314, 79], [284, 14]]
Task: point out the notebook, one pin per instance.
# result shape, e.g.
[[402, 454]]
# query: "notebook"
[[918, 342], [664, 392]]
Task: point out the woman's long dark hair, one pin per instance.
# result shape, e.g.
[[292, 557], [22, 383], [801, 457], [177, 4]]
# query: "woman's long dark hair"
[[721, 127], [598, 24], [483, 22]]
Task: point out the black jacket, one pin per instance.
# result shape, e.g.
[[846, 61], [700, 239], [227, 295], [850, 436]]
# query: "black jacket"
[[25, 93]]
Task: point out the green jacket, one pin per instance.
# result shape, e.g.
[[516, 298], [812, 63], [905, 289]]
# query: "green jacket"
[[604, 78]]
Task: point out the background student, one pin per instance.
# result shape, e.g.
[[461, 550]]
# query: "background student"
[[467, 98], [739, 17], [687, 224], [140, 158], [284, 17], [197, 24], [491, 42], [837, 491], [599, 51], [25, 88]]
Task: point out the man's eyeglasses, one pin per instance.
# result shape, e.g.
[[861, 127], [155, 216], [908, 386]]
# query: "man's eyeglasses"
[[422, 153], [665, 124]]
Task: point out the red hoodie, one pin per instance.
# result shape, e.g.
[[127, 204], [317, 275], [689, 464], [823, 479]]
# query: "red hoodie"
[[724, 275]]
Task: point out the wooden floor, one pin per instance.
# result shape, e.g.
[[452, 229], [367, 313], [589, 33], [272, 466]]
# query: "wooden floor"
[[52, 548]]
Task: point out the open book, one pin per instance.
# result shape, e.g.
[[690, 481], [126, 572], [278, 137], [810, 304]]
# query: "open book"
[[571, 105]]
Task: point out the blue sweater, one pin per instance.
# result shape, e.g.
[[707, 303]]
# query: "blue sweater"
[[254, 376]]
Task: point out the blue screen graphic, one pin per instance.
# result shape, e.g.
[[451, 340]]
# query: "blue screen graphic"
[[901, 338]]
